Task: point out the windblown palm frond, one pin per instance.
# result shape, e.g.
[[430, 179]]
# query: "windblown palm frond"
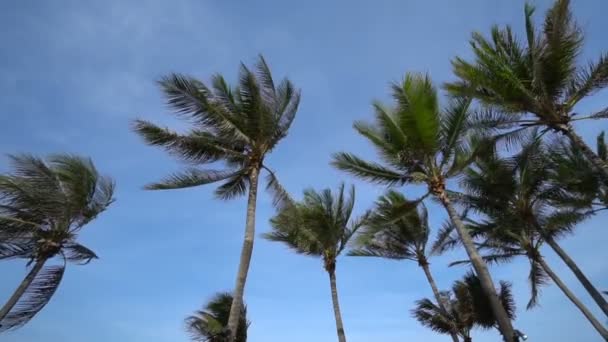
[[43, 205], [208, 325], [36, 296], [396, 229]]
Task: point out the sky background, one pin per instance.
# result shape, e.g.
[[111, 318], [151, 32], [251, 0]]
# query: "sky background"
[[74, 74]]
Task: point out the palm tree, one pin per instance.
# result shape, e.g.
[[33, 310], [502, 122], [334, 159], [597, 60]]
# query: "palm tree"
[[513, 195], [403, 238], [43, 206], [208, 324], [419, 143], [467, 307], [320, 225], [237, 126], [574, 178], [537, 84]]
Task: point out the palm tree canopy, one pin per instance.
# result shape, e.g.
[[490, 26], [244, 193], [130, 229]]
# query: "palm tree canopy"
[[43, 206], [520, 207], [417, 142], [573, 175], [467, 307], [237, 126], [392, 233], [539, 76], [208, 324], [320, 225]]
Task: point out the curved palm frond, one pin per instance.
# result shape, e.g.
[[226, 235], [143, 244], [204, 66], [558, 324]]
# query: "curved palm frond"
[[396, 229], [36, 296], [208, 325]]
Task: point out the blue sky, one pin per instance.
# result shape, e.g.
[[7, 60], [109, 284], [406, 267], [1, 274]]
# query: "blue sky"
[[73, 74]]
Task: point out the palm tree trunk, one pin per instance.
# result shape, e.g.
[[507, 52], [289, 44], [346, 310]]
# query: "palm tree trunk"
[[246, 251], [336, 304], [596, 324], [593, 291], [598, 164], [481, 269], [21, 289], [427, 271]]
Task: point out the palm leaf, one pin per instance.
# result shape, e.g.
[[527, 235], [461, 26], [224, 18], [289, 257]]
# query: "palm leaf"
[[190, 178], [37, 295], [76, 252], [418, 111], [373, 172]]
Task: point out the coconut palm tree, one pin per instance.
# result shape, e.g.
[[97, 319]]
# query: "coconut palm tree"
[[420, 143], [238, 127], [320, 225], [574, 178], [537, 83], [401, 238], [208, 324], [513, 196], [43, 206], [467, 307]]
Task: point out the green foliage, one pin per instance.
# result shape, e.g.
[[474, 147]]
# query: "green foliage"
[[416, 141], [43, 206], [208, 324], [236, 127], [540, 77], [520, 207], [396, 229], [467, 307], [320, 225]]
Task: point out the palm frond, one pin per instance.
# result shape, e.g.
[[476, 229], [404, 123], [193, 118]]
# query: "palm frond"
[[454, 122], [191, 177], [196, 147], [418, 111], [536, 278], [563, 41], [78, 253], [280, 197], [373, 172], [587, 81], [191, 98], [36, 296], [235, 185], [432, 316], [207, 325]]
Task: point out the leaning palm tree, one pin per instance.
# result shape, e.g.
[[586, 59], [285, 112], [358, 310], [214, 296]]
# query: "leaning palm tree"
[[466, 307], [399, 238], [419, 143], [513, 195], [574, 178], [320, 225], [236, 126], [537, 84], [43, 206], [209, 324]]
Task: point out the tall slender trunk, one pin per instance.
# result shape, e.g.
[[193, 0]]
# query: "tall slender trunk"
[[336, 304], [596, 324], [21, 289], [427, 271], [593, 291], [598, 164], [481, 269], [246, 251]]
